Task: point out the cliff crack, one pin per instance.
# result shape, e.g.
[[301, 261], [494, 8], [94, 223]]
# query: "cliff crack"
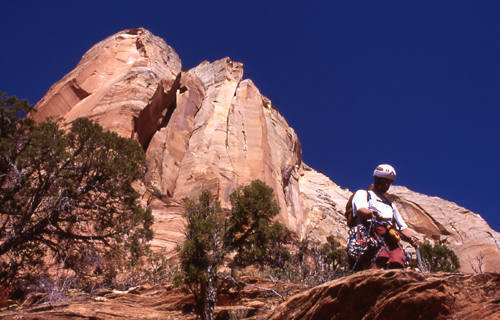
[[158, 112], [141, 48], [229, 113], [494, 239]]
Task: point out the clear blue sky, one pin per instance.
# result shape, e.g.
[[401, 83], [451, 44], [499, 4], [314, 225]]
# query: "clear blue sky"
[[414, 84]]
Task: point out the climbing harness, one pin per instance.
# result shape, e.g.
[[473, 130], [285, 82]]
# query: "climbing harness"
[[364, 238]]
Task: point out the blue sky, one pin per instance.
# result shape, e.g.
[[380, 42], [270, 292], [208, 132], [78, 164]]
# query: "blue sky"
[[362, 82]]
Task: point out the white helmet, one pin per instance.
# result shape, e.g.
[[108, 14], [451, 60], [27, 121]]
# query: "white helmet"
[[385, 171]]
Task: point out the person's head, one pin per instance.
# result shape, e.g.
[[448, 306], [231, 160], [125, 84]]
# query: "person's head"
[[384, 175]]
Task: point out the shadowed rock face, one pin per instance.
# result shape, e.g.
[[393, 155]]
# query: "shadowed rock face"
[[388, 295], [208, 128]]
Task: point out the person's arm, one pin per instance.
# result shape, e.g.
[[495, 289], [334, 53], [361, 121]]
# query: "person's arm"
[[361, 206], [409, 237], [404, 228], [365, 213]]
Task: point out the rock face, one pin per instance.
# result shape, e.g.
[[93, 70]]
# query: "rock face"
[[474, 242], [117, 80], [387, 295], [208, 128]]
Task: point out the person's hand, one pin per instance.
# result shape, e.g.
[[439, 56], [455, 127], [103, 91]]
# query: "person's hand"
[[413, 241], [410, 238], [376, 215]]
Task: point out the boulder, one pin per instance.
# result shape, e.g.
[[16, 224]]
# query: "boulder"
[[396, 294]]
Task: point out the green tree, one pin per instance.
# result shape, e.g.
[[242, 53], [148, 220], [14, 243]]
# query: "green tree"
[[66, 194], [203, 251], [252, 233], [439, 257], [334, 255], [210, 238]]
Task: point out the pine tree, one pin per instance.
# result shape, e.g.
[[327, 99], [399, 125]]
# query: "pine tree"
[[203, 251], [439, 257], [252, 231], [66, 194], [211, 238]]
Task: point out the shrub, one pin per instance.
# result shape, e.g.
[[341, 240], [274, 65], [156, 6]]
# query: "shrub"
[[439, 257], [203, 251], [211, 238], [313, 263]]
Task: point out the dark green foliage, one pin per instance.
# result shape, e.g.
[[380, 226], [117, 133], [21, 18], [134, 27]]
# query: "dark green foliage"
[[210, 238], [203, 251], [251, 231], [334, 255], [66, 194], [439, 257]]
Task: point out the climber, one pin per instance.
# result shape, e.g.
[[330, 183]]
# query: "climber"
[[381, 219]]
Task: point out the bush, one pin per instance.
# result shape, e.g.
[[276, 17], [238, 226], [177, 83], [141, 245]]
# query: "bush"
[[211, 238], [252, 233], [313, 263], [439, 257]]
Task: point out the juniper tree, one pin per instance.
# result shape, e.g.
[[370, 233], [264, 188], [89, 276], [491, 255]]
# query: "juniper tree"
[[211, 238], [334, 255], [66, 194], [439, 257], [203, 251], [251, 232]]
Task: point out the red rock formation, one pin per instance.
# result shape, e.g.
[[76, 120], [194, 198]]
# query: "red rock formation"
[[208, 128], [474, 242], [388, 295], [114, 81]]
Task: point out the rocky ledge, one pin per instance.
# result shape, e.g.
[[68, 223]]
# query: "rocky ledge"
[[372, 294], [400, 294]]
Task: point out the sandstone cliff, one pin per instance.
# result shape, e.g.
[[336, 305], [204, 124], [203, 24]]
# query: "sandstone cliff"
[[208, 128]]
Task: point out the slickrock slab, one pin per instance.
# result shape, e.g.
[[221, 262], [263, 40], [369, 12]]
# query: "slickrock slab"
[[254, 301], [390, 294]]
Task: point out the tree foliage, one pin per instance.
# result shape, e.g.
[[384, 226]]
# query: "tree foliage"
[[211, 238], [66, 194], [439, 257], [203, 251], [252, 233], [334, 255]]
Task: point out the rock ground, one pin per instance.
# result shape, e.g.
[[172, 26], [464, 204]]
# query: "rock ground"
[[372, 294]]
